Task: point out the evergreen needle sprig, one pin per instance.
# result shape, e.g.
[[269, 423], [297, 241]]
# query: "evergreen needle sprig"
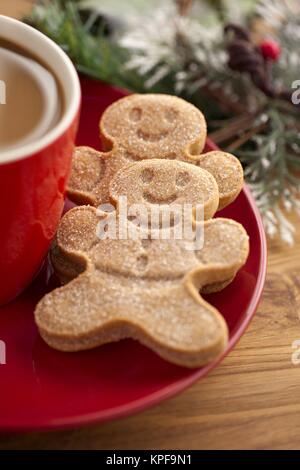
[[272, 170], [94, 54]]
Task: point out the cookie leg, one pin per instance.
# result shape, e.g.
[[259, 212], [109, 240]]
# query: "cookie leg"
[[95, 309]]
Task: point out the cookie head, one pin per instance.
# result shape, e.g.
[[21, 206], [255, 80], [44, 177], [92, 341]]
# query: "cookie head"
[[153, 126], [166, 182]]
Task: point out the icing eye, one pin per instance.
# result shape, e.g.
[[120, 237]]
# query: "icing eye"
[[182, 179], [147, 175], [135, 114], [171, 115]]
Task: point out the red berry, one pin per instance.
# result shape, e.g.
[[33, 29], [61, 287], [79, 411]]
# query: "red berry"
[[270, 50]]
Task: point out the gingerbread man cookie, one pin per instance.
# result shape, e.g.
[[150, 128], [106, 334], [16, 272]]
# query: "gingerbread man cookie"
[[147, 290], [143, 127]]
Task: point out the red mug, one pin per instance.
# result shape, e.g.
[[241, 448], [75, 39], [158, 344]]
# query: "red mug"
[[33, 177]]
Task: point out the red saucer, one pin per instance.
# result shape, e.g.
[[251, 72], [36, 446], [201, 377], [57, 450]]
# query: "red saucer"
[[45, 389]]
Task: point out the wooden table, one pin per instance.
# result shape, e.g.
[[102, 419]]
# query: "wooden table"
[[252, 400]]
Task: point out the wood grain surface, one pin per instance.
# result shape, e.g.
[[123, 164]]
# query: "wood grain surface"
[[251, 401]]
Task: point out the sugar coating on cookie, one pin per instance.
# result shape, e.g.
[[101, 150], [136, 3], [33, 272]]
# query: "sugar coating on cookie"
[[146, 127], [153, 126], [144, 289], [228, 173], [165, 182]]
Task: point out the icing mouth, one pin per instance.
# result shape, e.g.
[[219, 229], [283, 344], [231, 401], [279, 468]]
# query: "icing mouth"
[[156, 200], [147, 137]]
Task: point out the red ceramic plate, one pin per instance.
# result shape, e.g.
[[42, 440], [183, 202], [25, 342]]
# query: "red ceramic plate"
[[45, 389]]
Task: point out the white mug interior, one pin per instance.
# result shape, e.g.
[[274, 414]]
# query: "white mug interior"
[[29, 87]]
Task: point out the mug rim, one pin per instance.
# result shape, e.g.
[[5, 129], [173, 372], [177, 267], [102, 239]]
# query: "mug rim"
[[72, 108]]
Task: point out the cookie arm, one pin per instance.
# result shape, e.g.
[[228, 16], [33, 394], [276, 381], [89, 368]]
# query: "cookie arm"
[[227, 171], [88, 167], [225, 248], [76, 235]]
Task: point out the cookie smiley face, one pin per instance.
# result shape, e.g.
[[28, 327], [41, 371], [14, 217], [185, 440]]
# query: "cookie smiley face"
[[167, 121], [161, 182], [153, 126]]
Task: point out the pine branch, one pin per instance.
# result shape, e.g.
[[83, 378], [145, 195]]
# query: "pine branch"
[[96, 55]]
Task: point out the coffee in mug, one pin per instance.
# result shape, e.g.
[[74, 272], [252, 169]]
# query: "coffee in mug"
[[30, 101]]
